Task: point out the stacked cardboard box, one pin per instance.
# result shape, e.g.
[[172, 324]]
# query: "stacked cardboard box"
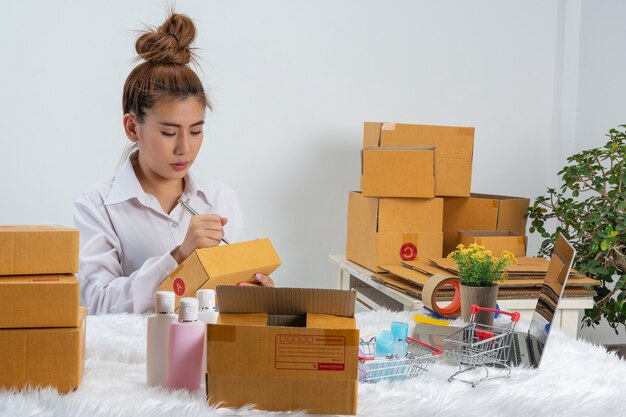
[[405, 172], [42, 328], [503, 216]]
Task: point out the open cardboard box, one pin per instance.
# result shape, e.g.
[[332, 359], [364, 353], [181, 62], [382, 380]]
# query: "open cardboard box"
[[35, 250], [22, 298], [284, 349], [482, 212], [398, 172], [454, 150], [497, 241], [221, 265], [42, 357], [386, 231]]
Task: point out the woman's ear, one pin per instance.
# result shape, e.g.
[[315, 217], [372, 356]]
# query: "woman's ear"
[[130, 127]]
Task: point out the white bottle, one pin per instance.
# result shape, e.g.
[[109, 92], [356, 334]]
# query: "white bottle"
[[206, 300], [207, 314], [157, 338]]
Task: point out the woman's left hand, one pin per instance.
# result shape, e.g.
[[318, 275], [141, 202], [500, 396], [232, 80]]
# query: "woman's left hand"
[[261, 280]]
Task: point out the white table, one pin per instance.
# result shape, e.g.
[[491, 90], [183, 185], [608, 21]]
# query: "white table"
[[372, 295]]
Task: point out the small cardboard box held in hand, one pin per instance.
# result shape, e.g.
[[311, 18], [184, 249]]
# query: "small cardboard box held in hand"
[[284, 349], [35, 250], [221, 265]]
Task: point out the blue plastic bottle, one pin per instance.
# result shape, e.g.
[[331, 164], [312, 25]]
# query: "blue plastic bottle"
[[384, 343], [400, 331]]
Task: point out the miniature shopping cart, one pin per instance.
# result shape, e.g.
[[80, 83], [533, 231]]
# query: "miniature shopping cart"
[[373, 369], [478, 345]]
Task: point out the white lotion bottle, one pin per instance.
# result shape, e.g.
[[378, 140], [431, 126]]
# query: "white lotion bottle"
[[207, 314], [158, 338], [206, 301]]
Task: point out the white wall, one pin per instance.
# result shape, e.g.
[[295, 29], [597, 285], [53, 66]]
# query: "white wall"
[[292, 83], [601, 93]]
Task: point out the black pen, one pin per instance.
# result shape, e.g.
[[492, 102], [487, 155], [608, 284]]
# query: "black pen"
[[195, 213]]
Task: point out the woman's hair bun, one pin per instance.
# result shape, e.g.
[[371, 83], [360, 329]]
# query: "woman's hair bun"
[[170, 42]]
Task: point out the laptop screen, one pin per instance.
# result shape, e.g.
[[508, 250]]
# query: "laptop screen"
[[552, 289]]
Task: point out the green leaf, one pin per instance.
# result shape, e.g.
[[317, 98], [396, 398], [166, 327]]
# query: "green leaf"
[[604, 245]]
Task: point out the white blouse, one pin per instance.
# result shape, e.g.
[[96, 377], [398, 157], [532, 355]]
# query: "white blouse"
[[126, 238]]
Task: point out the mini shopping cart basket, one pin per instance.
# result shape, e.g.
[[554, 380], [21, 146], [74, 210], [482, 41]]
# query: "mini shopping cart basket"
[[372, 369], [479, 345]]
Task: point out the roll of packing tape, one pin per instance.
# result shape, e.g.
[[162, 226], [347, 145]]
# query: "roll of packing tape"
[[429, 298]]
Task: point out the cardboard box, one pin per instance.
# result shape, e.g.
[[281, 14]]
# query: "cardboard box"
[[386, 231], [36, 250], [222, 265], [39, 301], [482, 212], [398, 172], [497, 241], [43, 357], [453, 155], [284, 349]]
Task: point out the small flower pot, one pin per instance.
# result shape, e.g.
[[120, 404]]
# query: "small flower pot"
[[481, 296]]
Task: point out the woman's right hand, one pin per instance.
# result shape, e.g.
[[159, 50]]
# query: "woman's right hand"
[[204, 231]]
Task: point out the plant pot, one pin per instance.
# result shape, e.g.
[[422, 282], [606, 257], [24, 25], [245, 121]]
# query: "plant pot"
[[481, 296]]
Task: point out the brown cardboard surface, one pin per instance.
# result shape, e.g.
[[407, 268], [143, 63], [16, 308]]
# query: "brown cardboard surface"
[[43, 357], [311, 365], [277, 300], [482, 212], [413, 290], [35, 250], [389, 230], [496, 241], [249, 319], [22, 296], [398, 172], [418, 272], [222, 265], [453, 156]]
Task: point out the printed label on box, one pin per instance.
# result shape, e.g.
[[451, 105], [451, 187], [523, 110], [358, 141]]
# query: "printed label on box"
[[310, 352]]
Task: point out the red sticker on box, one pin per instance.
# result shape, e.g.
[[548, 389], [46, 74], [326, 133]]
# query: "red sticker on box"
[[305, 352], [408, 252], [179, 287]]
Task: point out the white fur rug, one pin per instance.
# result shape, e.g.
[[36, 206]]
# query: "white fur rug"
[[576, 379]]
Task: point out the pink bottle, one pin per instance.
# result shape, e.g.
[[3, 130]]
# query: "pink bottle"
[[186, 344]]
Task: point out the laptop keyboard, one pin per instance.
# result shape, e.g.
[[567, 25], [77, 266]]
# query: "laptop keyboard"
[[516, 355]]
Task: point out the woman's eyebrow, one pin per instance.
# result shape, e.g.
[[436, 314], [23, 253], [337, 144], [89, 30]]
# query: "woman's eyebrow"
[[198, 123]]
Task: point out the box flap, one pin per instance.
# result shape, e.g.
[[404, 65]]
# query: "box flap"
[[451, 141], [239, 262], [254, 299]]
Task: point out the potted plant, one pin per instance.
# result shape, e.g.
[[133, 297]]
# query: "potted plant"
[[481, 273], [589, 208]]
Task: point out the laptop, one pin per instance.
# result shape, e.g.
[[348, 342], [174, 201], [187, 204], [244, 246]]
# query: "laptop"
[[526, 347]]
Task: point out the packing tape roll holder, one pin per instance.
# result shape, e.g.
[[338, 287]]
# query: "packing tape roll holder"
[[429, 291]]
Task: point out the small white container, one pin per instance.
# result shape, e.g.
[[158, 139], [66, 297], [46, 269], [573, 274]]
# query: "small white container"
[[157, 338]]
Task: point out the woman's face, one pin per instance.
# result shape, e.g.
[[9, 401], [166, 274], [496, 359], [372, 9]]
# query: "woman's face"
[[170, 137]]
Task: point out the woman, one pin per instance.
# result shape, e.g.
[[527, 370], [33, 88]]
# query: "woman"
[[133, 232]]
